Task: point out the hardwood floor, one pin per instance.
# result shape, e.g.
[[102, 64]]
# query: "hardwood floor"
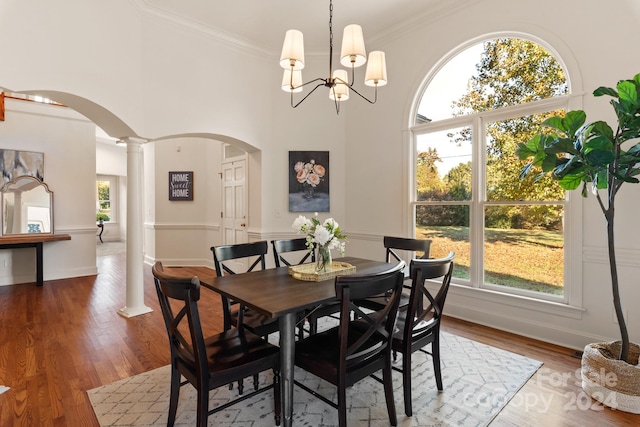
[[62, 339]]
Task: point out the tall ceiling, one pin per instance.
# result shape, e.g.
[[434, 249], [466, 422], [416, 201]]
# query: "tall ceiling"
[[262, 24]]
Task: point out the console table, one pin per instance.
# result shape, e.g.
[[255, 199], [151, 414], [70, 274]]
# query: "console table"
[[32, 241]]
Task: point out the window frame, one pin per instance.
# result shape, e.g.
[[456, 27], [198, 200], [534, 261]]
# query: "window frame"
[[113, 196], [572, 290]]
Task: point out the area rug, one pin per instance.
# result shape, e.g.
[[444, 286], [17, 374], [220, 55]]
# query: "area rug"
[[479, 381]]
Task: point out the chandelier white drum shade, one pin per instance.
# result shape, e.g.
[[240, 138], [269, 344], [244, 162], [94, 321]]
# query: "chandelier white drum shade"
[[352, 55]]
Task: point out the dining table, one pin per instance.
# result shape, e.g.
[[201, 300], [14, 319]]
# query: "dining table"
[[277, 294]]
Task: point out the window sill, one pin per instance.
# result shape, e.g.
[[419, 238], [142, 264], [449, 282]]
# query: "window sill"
[[528, 303]]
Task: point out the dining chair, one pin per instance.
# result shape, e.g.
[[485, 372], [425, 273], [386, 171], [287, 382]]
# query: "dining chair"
[[255, 255], [214, 361], [289, 246], [360, 345], [419, 324], [419, 249]]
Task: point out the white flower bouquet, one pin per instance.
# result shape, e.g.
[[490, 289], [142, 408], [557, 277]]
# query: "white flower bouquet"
[[324, 236]]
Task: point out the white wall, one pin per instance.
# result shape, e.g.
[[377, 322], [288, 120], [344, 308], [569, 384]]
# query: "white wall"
[[67, 140], [163, 78], [183, 231]]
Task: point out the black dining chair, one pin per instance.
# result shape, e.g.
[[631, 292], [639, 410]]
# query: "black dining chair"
[[419, 249], [254, 255], [419, 324], [360, 345], [294, 247], [209, 362]]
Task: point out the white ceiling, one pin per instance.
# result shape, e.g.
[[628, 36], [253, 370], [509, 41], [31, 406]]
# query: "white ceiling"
[[262, 24]]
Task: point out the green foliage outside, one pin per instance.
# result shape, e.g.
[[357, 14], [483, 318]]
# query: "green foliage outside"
[[508, 252], [104, 203], [103, 194], [511, 72], [102, 216]]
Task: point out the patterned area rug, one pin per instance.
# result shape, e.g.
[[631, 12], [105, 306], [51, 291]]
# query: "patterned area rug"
[[478, 381]]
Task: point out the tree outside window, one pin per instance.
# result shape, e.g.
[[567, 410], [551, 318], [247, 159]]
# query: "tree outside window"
[[469, 198]]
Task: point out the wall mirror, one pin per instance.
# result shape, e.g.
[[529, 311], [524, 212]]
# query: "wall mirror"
[[27, 207]]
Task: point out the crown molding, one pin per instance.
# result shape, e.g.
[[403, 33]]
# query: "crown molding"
[[439, 11], [231, 40], [394, 31]]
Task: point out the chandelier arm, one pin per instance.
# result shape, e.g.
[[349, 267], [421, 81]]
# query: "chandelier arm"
[[375, 98], [319, 79], [307, 95], [342, 82]]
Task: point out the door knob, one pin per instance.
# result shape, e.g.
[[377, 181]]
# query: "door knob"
[[243, 225]]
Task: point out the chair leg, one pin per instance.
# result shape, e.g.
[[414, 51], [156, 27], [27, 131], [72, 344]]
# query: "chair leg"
[[342, 405], [277, 397], [388, 392], [406, 381], [256, 382], [174, 394], [203, 406], [435, 351]]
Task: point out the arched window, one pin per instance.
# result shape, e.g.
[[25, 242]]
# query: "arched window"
[[468, 196]]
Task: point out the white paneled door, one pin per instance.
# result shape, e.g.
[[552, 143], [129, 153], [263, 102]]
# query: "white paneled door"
[[234, 204]]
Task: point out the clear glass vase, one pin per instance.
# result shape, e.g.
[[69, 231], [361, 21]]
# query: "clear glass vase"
[[323, 259]]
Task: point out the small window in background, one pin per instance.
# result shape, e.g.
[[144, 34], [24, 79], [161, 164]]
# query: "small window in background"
[[105, 200]]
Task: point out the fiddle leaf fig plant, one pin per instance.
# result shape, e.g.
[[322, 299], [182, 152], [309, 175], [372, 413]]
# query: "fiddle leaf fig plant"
[[597, 158]]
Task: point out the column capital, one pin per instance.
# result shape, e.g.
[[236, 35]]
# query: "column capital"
[[132, 140]]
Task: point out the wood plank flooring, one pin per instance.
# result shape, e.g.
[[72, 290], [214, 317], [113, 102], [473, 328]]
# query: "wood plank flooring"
[[62, 339]]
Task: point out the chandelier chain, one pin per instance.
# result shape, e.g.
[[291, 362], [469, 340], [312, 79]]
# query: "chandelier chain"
[[330, 39]]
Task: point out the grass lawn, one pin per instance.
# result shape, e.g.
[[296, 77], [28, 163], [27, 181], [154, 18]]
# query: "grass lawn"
[[524, 259]]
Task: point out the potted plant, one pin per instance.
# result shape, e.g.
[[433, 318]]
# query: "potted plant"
[[101, 217], [597, 159]]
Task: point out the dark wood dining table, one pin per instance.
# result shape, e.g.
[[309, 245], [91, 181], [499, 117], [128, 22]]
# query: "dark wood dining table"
[[276, 294]]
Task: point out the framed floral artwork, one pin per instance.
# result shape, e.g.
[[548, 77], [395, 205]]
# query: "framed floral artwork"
[[309, 181]]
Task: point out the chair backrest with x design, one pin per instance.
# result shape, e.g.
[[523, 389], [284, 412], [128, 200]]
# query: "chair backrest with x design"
[[241, 250], [187, 349], [420, 319], [234, 252], [281, 247], [363, 334], [392, 244]]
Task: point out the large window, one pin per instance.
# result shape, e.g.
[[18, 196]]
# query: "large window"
[[468, 196]]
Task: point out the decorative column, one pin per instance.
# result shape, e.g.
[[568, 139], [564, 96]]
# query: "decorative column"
[[135, 233]]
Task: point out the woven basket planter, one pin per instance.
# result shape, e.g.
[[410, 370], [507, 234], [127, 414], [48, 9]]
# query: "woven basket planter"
[[612, 382]]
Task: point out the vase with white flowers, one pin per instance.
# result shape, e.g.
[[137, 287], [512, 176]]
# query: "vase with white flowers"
[[322, 237]]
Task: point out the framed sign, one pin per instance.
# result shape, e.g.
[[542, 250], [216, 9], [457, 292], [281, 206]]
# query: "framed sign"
[[181, 186]]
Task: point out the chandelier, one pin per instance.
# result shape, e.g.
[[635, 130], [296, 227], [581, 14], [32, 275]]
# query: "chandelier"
[[352, 55]]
